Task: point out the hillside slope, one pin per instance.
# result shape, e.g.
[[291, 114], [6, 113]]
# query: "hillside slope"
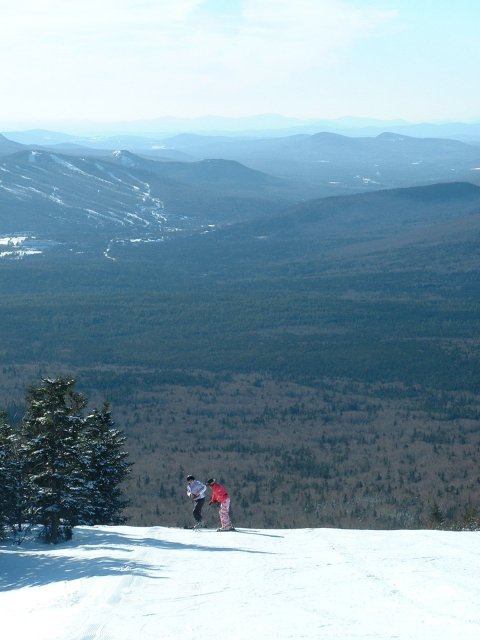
[[114, 582]]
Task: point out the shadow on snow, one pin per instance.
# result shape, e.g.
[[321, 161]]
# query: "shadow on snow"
[[40, 564]]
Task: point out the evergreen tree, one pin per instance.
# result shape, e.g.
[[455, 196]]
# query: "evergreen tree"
[[11, 477], [61, 469], [107, 467], [52, 449], [6, 484]]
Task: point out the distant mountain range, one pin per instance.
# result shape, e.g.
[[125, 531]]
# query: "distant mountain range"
[[320, 164], [341, 164], [99, 194], [257, 125]]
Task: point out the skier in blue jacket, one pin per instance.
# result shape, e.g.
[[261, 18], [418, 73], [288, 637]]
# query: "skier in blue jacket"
[[196, 491]]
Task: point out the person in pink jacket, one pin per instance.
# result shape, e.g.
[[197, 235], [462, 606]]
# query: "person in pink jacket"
[[220, 496]]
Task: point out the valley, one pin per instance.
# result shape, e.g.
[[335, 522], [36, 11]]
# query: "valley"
[[314, 346]]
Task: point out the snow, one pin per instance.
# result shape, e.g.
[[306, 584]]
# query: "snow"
[[126, 582], [125, 160], [14, 240], [14, 246], [68, 165]]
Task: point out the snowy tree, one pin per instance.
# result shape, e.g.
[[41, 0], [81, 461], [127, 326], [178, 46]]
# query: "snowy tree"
[[107, 467], [13, 480], [61, 469], [12, 486], [52, 449]]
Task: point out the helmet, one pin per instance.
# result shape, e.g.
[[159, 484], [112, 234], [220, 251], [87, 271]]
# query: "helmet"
[[211, 481]]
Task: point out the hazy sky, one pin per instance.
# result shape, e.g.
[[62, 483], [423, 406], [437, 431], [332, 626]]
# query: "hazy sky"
[[114, 60]]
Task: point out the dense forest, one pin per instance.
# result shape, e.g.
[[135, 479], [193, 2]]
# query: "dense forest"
[[331, 453]]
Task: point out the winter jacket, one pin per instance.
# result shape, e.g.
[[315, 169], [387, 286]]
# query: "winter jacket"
[[196, 490], [219, 494]]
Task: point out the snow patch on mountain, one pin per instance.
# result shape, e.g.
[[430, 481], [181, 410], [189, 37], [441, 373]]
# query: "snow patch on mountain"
[[17, 247], [13, 241], [124, 159]]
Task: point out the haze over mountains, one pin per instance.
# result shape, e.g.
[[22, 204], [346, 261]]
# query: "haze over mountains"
[[252, 126]]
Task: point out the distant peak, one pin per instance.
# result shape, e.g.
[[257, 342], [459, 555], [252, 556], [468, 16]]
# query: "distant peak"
[[388, 136], [329, 135], [126, 158], [118, 153]]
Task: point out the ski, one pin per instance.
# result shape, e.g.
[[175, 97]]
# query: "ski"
[[197, 528]]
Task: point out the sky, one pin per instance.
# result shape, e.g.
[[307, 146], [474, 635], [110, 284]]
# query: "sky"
[[128, 60], [170, 584]]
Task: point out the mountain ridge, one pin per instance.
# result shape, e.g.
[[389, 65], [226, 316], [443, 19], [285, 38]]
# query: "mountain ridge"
[[41, 190]]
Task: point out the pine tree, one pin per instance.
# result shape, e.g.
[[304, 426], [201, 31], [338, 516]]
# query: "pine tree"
[[8, 475], [11, 478], [61, 469], [52, 448], [107, 466]]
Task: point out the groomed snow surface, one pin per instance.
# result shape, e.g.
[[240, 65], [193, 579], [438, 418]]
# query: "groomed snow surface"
[[158, 583]]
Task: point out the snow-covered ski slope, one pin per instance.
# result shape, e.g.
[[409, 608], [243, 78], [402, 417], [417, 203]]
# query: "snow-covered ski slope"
[[158, 583]]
